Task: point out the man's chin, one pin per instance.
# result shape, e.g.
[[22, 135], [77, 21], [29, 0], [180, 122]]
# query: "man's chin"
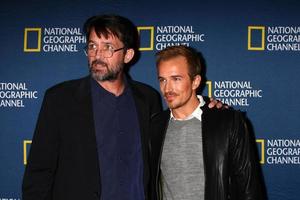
[[104, 77], [99, 70], [171, 106], [97, 76]]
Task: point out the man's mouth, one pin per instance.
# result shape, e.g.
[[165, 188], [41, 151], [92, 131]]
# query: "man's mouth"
[[170, 96], [99, 64]]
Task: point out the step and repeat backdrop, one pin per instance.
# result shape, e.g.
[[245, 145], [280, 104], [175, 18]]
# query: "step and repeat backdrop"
[[251, 53]]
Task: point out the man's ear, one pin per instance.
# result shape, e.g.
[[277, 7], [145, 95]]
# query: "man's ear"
[[196, 82], [128, 55]]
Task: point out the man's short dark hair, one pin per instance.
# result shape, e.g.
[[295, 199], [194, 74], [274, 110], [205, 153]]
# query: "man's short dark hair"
[[115, 25], [190, 54]]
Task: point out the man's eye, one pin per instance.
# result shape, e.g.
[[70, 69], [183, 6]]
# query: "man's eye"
[[161, 80], [108, 47], [92, 46]]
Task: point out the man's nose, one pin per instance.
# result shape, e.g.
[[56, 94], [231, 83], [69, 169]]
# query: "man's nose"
[[99, 54], [168, 86]]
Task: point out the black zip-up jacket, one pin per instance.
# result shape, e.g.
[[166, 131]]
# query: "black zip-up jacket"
[[229, 153]]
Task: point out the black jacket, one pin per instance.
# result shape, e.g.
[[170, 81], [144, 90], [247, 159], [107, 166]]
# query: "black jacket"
[[230, 163], [63, 159]]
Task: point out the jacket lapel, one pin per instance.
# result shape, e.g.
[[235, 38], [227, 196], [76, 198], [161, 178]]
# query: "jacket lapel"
[[83, 97], [143, 114]]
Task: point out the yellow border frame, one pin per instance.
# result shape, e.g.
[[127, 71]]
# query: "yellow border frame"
[[38, 49], [262, 143], [262, 28], [209, 88], [25, 143], [151, 29]]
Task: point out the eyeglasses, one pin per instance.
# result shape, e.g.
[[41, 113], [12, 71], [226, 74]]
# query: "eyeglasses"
[[107, 50]]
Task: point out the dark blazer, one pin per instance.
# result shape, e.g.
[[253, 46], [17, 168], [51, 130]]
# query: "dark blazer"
[[63, 159], [230, 165]]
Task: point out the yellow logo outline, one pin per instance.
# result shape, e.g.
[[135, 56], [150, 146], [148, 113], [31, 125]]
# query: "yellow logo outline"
[[209, 88], [262, 144], [25, 143], [151, 29], [262, 47], [39, 31]]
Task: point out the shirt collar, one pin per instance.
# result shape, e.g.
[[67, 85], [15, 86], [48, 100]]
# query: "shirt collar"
[[197, 113], [98, 89]]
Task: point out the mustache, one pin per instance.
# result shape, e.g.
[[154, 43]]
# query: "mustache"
[[170, 94], [98, 62]]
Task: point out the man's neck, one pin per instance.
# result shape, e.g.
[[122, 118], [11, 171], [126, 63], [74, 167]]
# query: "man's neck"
[[186, 110], [115, 87]]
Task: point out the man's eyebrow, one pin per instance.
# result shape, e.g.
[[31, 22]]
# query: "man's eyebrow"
[[109, 43], [173, 76], [176, 76]]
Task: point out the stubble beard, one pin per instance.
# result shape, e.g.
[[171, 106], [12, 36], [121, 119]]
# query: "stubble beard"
[[173, 104], [176, 103], [110, 74]]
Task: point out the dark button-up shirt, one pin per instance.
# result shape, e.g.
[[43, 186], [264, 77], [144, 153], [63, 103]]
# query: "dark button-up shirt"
[[118, 144]]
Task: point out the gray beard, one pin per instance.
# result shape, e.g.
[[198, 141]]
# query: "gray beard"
[[111, 75]]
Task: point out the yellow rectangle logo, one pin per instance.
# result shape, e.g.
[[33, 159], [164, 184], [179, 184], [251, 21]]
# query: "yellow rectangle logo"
[[27, 31], [26, 143], [261, 143], [262, 43], [209, 88], [151, 41]]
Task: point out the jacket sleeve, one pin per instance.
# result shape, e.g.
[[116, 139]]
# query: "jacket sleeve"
[[40, 170], [245, 176]]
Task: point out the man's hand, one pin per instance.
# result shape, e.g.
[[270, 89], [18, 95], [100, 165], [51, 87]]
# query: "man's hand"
[[216, 103]]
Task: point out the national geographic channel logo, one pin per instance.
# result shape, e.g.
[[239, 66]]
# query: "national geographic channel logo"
[[15, 94], [233, 93], [274, 38], [160, 37], [279, 151], [53, 39]]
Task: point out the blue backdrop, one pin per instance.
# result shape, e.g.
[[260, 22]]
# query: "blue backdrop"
[[251, 51]]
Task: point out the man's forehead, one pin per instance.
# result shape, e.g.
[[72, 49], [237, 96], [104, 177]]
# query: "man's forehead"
[[103, 33], [176, 61], [105, 37], [172, 71]]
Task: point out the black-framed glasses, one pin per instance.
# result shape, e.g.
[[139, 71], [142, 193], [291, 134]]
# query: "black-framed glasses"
[[107, 50]]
